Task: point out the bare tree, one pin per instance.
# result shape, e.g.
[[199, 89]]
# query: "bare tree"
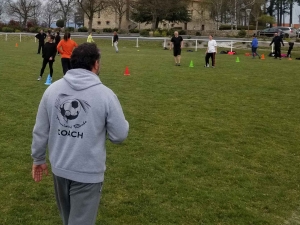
[[119, 7], [23, 9], [215, 7], [65, 7], [154, 11], [90, 7], [1, 8], [203, 15], [257, 11], [37, 12], [234, 8], [50, 12]]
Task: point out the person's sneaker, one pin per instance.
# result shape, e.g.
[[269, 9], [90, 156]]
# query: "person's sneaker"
[[178, 64], [39, 78], [279, 58], [213, 67]]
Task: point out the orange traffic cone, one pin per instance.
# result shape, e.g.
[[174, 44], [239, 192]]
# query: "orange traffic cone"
[[262, 56], [126, 73], [17, 45]]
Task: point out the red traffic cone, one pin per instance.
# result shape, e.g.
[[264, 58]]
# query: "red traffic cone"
[[17, 45], [126, 73]]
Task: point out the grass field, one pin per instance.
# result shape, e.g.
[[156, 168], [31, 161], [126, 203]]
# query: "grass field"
[[206, 146]]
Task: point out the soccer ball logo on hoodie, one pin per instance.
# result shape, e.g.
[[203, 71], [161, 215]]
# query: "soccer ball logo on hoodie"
[[70, 110]]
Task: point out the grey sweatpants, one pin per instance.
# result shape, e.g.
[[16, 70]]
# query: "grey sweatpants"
[[77, 202], [116, 46]]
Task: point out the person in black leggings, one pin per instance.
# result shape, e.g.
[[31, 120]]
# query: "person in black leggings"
[[65, 47], [48, 56], [57, 40]]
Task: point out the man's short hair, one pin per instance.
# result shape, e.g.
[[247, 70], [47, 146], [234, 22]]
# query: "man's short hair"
[[85, 56]]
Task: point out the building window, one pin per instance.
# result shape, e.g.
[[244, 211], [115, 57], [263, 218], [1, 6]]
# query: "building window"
[[99, 22], [107, 22], [99, 14]]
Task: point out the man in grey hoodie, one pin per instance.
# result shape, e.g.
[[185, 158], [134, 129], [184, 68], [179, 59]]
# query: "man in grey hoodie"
[[74, 117]]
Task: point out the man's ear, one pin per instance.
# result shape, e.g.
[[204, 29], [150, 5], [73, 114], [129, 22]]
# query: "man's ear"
[[96, 66], [97, 63]]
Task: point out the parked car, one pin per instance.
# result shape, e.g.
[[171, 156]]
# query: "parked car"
[[269, 32], [288, 32]]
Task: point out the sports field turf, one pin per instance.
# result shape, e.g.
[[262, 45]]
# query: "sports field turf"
[[206, 146]]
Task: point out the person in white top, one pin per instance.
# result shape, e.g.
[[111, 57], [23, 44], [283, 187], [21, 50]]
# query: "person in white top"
[[211, 52]]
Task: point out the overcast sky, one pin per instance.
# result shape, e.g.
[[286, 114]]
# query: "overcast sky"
[[296, 13]]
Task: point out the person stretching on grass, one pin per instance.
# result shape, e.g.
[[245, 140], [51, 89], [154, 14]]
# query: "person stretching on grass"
[[254, 45], [211, 52], [75, 124], [65, 47], [177, 45], [48, 55]]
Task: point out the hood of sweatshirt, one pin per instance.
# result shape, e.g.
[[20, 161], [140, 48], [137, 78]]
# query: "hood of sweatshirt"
[[80, 79]]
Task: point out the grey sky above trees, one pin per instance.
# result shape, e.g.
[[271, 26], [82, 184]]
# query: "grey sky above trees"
[[48, 11]]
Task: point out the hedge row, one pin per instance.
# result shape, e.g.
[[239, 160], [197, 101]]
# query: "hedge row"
[[31, 29], [161, 32], [251, 27]]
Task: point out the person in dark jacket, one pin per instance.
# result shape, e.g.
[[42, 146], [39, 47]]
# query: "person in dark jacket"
[[116, 41], [41, 37], [277, 40], [48, 55], [177, 45], [291, 46], [57, 40]]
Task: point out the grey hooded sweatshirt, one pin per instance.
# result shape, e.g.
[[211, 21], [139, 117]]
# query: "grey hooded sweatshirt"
[[75, 116]]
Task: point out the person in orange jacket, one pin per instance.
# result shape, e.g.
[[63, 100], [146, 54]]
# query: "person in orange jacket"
[[65, 47]]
